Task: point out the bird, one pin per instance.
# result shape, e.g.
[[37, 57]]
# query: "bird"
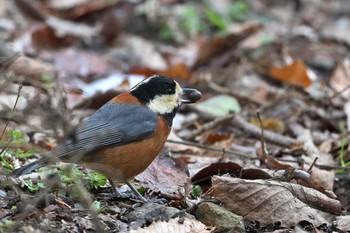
[[123, 137]]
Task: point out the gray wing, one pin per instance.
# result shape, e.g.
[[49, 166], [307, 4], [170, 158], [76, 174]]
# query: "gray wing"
[[111, 125]]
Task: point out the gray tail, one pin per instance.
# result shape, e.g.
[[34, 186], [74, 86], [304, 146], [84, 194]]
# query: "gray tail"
[[27, 168]]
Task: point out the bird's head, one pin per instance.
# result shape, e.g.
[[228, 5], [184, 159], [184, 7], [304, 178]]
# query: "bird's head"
[[163, 95]]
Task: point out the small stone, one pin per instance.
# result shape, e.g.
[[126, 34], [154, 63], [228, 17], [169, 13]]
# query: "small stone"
[[149, 213], [224, 220]]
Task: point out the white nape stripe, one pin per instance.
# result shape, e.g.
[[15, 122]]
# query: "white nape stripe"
[[141, 83]]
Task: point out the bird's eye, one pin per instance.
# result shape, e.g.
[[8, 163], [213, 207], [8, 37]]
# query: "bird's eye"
[[169, 91]]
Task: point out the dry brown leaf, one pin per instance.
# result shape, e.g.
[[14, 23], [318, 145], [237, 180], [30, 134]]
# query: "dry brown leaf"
[[44, 37], [165, 174], [203, 176], [176, 71], [74, 9], [339, 80], [273, 201], [217, 46], [32, 69], [175, 225], [273, 124], [82, 63], [294, 74]]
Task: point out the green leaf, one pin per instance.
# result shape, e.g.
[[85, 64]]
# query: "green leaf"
[[6, 225], [67, 175], [216, 19], [220, 105], [95, 180], [196, 191], [41, 185], [97, 207], [6, 163], [21, 154], [238, 10], [16, 136], [47, 79], [191, 22], [33, 187]]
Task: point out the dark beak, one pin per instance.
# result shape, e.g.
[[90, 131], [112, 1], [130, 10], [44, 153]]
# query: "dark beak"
[[190, 95]]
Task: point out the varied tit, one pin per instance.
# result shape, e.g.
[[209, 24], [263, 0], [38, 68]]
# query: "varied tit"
[[124, 136]]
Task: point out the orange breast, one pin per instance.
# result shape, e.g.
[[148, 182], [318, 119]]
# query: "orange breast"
[[124, 162]]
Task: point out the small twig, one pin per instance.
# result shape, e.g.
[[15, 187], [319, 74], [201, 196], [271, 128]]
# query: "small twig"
[[312, 165], [262, 138], [216, 87], [270, 136], [13, 110], [213, 148], [62, 203], [247, 154], [210, 125]]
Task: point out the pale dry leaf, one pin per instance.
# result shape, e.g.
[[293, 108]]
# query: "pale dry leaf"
[[175, 225], [147, 54], [273, 201], [80, 30], [343, 223], [305, 136], [322, 178], [339, 80]]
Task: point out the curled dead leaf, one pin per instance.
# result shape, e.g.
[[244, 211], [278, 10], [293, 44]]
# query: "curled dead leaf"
[[165, 174], [271, 201]]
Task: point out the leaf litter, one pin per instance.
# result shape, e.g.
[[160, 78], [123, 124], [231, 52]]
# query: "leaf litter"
[[72, 57]]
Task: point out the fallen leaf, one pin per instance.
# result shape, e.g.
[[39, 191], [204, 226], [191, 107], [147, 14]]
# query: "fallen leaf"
[[270, 201], [322, 178], [343, 223], [219, 105], [273, 124], [294, 74], [340, 80], [69, 28], [73, 9], [77, 62], [203, 176], [145, 52], [175, 225], [32, 69], [44, 37], [214, 137], [211, 48], [165, 174], [176, 71]]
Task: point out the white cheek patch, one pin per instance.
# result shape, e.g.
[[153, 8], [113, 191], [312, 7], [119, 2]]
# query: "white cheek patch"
[[164, 103]]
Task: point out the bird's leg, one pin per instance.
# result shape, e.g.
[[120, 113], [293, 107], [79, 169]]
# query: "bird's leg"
[[138, 195], [115, 190], [142, 198], [134, 191]]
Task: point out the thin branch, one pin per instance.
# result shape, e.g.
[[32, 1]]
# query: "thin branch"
[[270, 136], [209, 126], [214, 148], [12, 112]]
